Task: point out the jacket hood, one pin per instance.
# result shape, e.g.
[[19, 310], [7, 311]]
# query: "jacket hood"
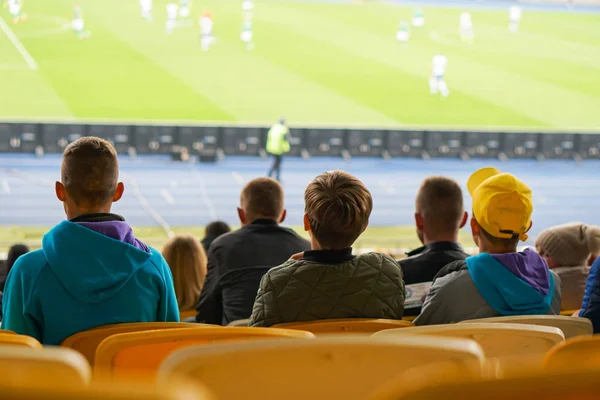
[[513, 283], [94, 262]]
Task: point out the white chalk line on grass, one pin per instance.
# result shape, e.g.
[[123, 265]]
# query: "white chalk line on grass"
[[31, 63]]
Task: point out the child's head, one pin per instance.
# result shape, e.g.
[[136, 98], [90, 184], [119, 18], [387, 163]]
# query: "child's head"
[[502, 207], [569, 245], [89, 177], [187, 261], [337, 210]]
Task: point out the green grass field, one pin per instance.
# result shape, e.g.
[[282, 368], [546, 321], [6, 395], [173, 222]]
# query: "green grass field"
[[314, 63]]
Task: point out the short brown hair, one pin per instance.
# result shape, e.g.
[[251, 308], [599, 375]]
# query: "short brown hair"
[[187, 261], [90, 171], [262, 198], [440, 203], [338, 206]]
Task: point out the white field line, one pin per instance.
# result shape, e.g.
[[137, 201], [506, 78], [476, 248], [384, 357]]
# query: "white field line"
[[5, 186], [167, 196], [18, 45], [237, 177]]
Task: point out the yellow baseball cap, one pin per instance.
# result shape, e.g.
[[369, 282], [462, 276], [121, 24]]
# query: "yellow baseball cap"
[[502, 203]]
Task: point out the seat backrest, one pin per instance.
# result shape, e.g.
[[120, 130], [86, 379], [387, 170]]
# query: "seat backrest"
[[346, 325], [187, 314], [329, 367], [570, 326], [496, 339], [579, 351], [47, 366], [18, 340], [564, 384], [86, 342], [143, 352]]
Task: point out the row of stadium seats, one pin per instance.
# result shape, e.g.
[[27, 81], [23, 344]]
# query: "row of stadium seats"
[[376, 359]]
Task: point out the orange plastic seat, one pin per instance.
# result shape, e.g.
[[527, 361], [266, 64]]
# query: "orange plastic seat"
[[187, 314], [570, 326], [142, 352], [86, 342], [347, 325], [19, 340], [582, 351]]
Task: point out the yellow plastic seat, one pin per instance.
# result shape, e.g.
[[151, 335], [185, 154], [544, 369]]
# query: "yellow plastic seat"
[[176, 390], [11, 338], [7, 331], [47, 366], [347, 325], [565, 384], [86, 342], [142, 352], [568, 313], [580, 351], [570, 326], [496, 340], [187, 314], [328, 367]]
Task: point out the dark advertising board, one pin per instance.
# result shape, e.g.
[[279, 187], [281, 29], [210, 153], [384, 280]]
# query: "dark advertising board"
[[444, 144], [325, 142], [243, 141], [558, 145], [365, 142], [588, 146], [154, 139], [520, 145], [405, 143], [16, 137], [297, 139], [55, 137], [118, 135], [482, 144], [200, 139]]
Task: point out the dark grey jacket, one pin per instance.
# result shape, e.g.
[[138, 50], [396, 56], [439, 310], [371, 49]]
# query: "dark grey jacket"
[[326, 285]]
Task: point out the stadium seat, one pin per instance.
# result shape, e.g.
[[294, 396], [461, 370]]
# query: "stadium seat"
[[580, 351], [177, 390], [570, 326], [331, 367], [564, 384], [497, 340], [142, 352], [348, 325], [47, 366], [86, 342], [568, 313], [187, 314], [10, 338]]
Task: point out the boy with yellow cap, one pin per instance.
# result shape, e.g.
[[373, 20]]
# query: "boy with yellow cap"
[[499, 281]]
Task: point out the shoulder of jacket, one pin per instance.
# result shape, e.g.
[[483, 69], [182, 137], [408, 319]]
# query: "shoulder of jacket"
[[284, 269], [157, 260], [30, 264], [381, 259]]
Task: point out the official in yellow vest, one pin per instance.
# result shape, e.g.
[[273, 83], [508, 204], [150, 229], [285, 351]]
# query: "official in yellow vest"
[[277, 146]]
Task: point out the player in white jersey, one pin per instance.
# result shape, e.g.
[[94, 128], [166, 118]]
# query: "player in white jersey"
[[146, 9], [206, 31], [78, 23], [246, 35], [172, 9], [15, 8], [437, 82], [248, 9], [403, 33], [514, 16], [466, 27], [184, 8]]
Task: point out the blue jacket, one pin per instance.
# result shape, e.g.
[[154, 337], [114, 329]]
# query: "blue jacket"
[[84, 276], [591, 299]]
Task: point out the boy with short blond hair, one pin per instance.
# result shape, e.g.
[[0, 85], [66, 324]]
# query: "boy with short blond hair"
[[328, 281]]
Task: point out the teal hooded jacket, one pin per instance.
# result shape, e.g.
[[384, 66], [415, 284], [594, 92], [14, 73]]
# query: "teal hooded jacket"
[[82, 278]]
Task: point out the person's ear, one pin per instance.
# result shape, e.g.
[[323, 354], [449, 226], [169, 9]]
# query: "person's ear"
[[61, 193], [419, 222], [551, 263], [306, 220], [119, 192], [242, 216], [475, 232], [465, 218], [283, 215], [365, 228]]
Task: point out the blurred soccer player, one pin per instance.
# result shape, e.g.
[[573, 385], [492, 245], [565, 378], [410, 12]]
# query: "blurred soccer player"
[[246, 35], [184, 8], [206, 31], [146, 7], [514, 16], [403, 33], [15, 8], [466, 27], [437, 82], [172, 9], [78, 24], [418, 19], [248, 9]]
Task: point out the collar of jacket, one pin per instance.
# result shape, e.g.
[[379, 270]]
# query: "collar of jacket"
[[264, 222], [97, 217], [328, 256], [435, 246]]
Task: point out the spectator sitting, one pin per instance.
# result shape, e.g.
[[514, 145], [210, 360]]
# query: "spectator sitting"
[[91, 269], [328, 281], [500, 280], [590, 308], [439, 216], [570, 250], [14, 252], [213, 231], [187, 260], [237, 261]]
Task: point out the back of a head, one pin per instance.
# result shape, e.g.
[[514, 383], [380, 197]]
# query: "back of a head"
[[338, 206], [216, 229], [187, 260], [262, 198], [15, 252], [569, 244], [90, 171], [440, 204]]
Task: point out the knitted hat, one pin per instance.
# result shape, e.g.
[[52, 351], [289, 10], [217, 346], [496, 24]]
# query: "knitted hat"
[[570, 244]]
